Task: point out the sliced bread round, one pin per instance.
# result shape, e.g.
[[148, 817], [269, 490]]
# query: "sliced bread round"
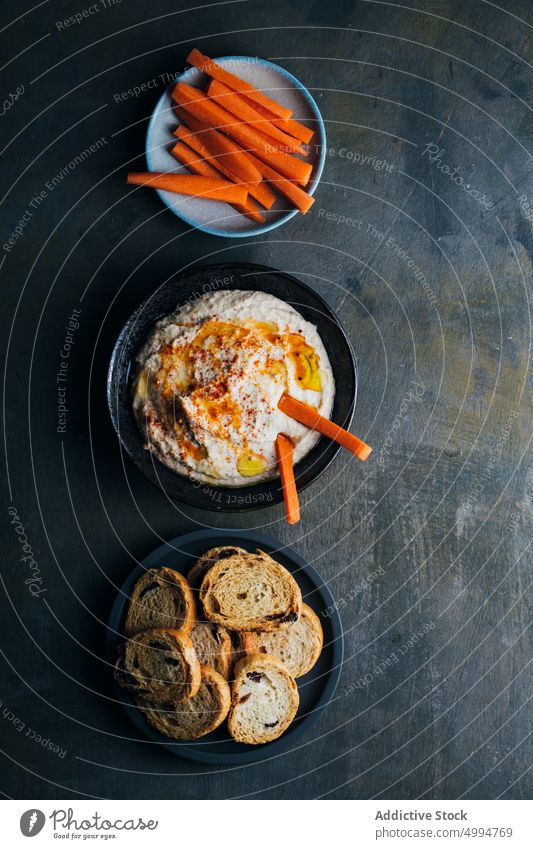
[[162, 598], [212, 644], [202, 566], [195, 717], [251, 593], [160, 665], [298, 646], [264, 699]]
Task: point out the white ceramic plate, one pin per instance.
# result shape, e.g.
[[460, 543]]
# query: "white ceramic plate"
[[220, 219]]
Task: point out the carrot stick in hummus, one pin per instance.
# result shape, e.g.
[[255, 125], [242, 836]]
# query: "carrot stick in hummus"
[[284, 453], [311, 418]]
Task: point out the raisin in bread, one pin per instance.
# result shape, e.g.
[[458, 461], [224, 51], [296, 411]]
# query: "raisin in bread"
[[264, 700], [160, 665], [212, 644], [237, 647], [298, 646], [196, 716], [162, 598]]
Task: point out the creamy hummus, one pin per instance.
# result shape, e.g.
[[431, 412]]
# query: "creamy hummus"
[[209, 378]]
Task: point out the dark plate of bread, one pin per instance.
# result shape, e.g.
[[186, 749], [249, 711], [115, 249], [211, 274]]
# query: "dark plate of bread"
[[226, 646]]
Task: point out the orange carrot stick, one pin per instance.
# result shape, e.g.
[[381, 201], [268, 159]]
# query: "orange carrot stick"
[[208, 66], [189, 157], [223, 146], [284, 453], [301, 200], [251, 211], [189, 184], [232, 155], [194, 138], [312, 419], [215, 116], [239, 106], [260, 191], [292, 127], [217, 143]]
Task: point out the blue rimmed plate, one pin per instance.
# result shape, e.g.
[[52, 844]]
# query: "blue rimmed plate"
[[220, 219], [316, 689]]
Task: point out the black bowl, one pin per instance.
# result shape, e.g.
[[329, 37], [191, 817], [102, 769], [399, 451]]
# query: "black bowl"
[[192, 284], [316, 688]]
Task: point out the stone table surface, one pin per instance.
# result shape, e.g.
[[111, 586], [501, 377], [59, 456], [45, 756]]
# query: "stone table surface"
[[420, 239]]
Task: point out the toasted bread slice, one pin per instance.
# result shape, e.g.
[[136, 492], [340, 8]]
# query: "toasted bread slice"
[[202, 566], [195, 717], [264, 699], [212, 644], [250, 593], [162, 598], [298, 646], [160, 665]]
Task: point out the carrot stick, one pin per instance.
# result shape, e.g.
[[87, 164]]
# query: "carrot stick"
[[208, 66], [194, 138], [312, 419], [231, 153], [284, 453], [290, 126], [260, 191], [251, 211], [190, 159], [239, 106], [215, 116], [188, 184], [301, 200]]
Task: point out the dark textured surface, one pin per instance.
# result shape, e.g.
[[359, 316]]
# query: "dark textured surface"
[[429, 537]]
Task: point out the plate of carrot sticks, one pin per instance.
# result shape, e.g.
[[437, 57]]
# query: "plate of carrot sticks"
[[235, 146]]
